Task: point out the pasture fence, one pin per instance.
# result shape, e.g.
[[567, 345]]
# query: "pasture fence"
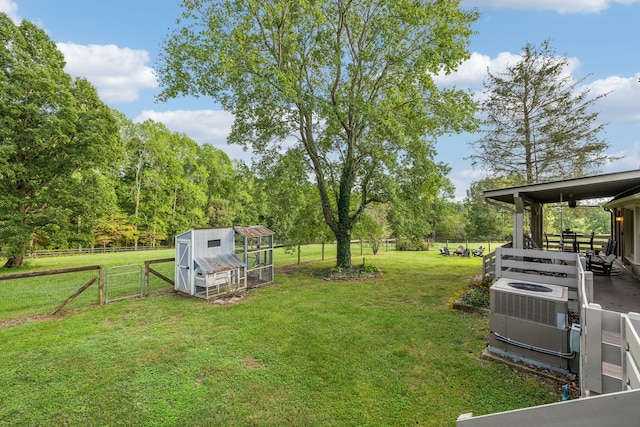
[[47, 253], [48, 292]]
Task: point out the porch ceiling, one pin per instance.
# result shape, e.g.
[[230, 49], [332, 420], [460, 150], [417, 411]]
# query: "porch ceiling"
[[590, 187]]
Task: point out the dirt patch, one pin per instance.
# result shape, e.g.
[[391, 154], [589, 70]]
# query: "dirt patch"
[[252, 362], [359, 272], [347, 274], [28, 319], [229, 299]]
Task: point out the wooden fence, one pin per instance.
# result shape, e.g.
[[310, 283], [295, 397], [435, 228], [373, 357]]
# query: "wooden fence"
[[42, 253], [148, 270], [36, 293], [26, 298]]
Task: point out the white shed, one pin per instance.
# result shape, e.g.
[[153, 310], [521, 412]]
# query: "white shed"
[[206, 264]]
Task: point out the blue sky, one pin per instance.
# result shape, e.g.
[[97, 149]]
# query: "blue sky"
[[115, 45]]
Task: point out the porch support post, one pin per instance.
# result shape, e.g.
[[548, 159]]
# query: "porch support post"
[[635, 240], [536, 223], [518, 222]]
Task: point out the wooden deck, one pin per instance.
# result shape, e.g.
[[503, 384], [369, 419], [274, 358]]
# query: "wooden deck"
[[619, 292]]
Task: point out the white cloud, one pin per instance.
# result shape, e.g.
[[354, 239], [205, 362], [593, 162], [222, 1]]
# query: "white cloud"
[[563, 6], [472, 72], [11, 9], [203, 126], [622, 105], [628, 159], [118, 73], [210, 126]]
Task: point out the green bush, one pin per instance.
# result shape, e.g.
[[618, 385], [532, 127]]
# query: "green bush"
[[478, 293], [476, 297]]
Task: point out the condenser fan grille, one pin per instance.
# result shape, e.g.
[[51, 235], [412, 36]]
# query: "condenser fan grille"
[[525, 307]]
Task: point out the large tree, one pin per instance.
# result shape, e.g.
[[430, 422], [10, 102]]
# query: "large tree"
[[350, 82], [539, 122], [56, 140]]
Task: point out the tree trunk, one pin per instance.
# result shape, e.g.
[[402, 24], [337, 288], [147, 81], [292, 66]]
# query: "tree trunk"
[[344, 249], [14, 261]]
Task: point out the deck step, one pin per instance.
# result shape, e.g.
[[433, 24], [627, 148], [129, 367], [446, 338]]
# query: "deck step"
[[611, 370], [611, 338]]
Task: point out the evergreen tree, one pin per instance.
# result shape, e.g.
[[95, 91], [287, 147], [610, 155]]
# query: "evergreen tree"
[[538, 121]]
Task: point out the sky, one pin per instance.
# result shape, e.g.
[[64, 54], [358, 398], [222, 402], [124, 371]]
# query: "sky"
[[115, 45]]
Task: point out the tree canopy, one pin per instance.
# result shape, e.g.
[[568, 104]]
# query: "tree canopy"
[[539, 123], [75, 173], [55, 136], [348, 83]]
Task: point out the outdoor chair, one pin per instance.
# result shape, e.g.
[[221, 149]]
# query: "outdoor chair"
[[602, 263], [478, 252], [445, 251], [593, 233], [459, 250]]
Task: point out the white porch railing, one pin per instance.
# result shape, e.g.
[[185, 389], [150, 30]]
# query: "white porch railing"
[[609, 343]]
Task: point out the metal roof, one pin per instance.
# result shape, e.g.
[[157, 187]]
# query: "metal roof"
[[589, 187], [222, 262], [254, 231]]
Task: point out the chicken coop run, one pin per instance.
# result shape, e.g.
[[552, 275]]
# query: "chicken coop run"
[[254, 245], [212, 262]]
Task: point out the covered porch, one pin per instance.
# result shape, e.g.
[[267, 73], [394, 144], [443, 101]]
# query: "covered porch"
[[620, 193]]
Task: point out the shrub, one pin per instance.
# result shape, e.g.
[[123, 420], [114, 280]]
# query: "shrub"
[[476, 297], [478, 293]]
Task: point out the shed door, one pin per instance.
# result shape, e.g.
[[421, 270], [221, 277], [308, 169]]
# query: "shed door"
[[183, 257]]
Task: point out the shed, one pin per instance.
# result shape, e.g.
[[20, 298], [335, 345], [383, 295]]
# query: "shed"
[[206, 264]]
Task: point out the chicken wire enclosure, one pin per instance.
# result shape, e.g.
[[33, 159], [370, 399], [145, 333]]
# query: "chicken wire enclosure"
[[254, 245], [206, 265]]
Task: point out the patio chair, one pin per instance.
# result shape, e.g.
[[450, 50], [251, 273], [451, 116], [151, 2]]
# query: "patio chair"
[[602, 263], [593, 233], [478, 252], [459, 250]]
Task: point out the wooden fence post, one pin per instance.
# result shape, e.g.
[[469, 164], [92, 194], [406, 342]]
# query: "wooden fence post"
[[145, 290], [101, 285]]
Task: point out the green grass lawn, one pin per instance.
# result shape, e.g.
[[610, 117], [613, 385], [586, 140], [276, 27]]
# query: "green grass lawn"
[[302, 352]]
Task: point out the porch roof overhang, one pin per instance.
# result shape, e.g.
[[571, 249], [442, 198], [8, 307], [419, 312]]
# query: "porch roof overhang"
[[611, 185]]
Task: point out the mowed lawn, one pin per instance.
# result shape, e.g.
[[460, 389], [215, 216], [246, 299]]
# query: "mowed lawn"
[[302, 352]]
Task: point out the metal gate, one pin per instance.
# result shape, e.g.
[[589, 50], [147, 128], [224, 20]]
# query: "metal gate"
[[124, 281]]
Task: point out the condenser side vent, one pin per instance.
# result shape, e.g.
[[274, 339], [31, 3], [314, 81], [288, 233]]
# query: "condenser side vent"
[[526, 307]]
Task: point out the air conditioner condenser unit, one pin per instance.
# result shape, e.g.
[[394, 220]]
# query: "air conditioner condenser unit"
[[529, 322]]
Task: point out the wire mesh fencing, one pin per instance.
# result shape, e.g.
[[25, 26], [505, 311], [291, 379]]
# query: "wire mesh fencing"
[[47, 292], [39, 293]]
